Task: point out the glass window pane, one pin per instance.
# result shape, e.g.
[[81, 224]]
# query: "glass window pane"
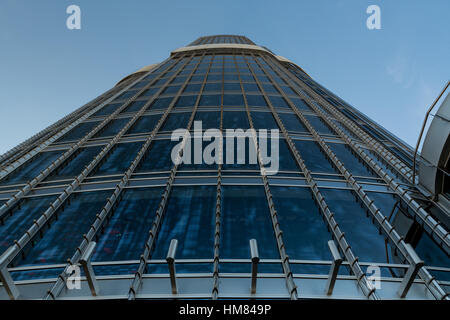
[[235, 120], [31, 168], [313, 157], [189, 218], [176, 121], [107, 110], [292, 123], [145, 124], [79, 131], [158, 157], [61, 240], [319, 125], [186, 101], [119, 159], [350, 161], [127, 231], [304, 232], [245, 218], [233, 100], [210, 100], [112, 128]]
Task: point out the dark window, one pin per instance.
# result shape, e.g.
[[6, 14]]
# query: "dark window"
[[186, 101], [210, 100], [313, 157], [189, 218], [119, 159], [233, 100]]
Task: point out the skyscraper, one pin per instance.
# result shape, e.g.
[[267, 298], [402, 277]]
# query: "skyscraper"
[[98, 195]]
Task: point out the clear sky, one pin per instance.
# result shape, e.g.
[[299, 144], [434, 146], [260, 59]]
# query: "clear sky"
[[392, 74]]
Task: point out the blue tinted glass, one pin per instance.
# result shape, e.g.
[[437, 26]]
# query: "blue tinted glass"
[[288, 90], [256, 100], [319, 125], [235, 120], [268, 88], [79, 131], [119, 160], [107, 110], [171, 90], [158, 156], [433, 255], [140, 84], [149, 92], [61, 240], [214, 77], [112, 128], [278, 102], [186, 101], [179, 79], [31, 168], [263, 120], [300, 104], [314, 159], [350, 161], [127, 95], [127, 231], [176, 121], [189, 218], [360, 233], [161, 103], [134, 106], [286, 160], [231, 77], [244, 218], [210, 100], [248, 78], [213, 87], [14, 226], [251, 87], [195, 88], [304, 231], [231, 87], [291, 122], [210, 119], [233, 100], [77, 165], [145, 124]]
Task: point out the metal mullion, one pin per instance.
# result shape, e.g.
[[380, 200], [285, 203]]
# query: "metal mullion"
[[290, 284], [134, 287], [67, 154], [111, 201], [383, 223], [18, 246], [215, 290], [333, 226], [16, 164], [385, 154]]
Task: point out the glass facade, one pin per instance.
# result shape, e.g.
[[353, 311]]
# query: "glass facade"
[[120, 188]]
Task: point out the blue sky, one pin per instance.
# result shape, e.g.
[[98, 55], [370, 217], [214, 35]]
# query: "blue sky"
[[392, 74]]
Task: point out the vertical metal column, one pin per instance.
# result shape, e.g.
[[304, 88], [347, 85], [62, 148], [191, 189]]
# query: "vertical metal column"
[[136, 283], [290, 284]]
